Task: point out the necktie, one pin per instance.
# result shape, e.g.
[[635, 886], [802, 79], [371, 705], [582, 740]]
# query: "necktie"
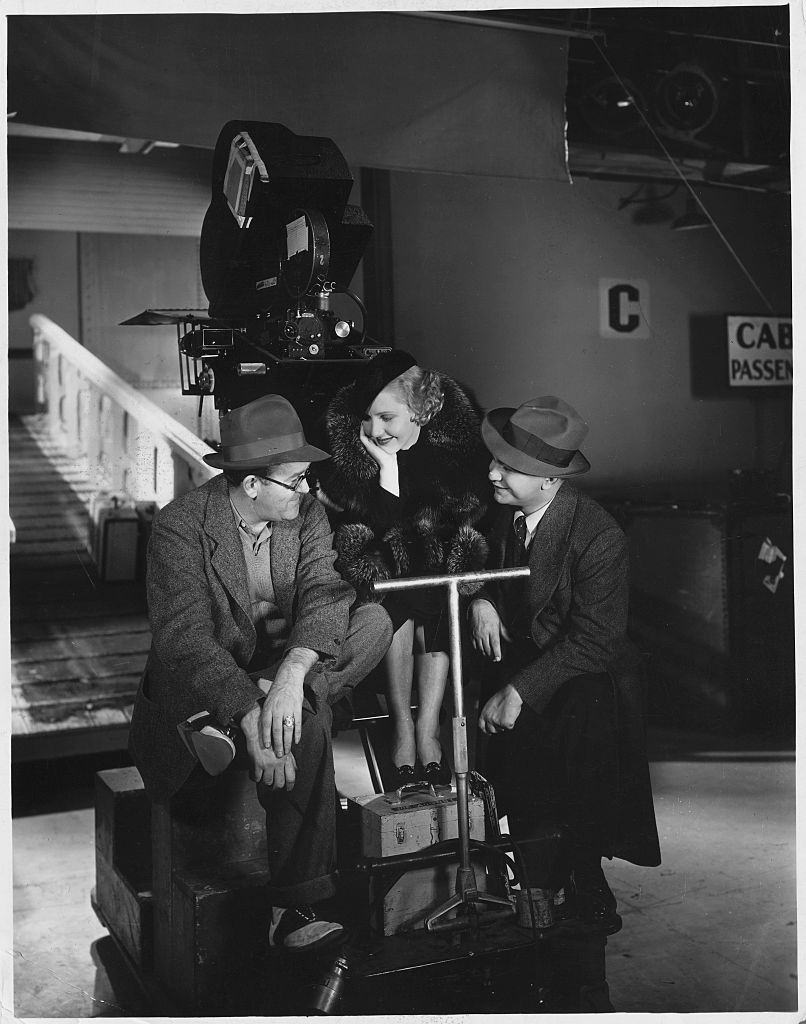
[[519, 526], [513, 592]]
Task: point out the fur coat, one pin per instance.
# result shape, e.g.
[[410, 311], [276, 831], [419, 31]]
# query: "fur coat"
[[431, 527]]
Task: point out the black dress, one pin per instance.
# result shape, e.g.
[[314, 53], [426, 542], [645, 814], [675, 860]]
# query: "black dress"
[[426, 606]]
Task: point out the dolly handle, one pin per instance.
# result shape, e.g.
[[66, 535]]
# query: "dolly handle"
[[482, 576]]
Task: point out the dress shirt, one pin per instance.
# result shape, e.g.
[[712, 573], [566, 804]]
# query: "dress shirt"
[[533, 519]]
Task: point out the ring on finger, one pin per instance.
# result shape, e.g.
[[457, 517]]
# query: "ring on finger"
[[288, 721]]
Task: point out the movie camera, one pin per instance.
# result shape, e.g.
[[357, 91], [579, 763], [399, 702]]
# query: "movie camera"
[[279, 247]]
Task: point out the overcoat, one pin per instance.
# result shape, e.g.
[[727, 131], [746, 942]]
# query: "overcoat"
[[578, 596], [202, 633], [445, 492]]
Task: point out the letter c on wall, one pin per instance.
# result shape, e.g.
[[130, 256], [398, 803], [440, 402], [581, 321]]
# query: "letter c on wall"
[[621, 299], [623, 308]]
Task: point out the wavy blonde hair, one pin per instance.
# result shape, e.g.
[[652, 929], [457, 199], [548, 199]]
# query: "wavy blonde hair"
[[422, 392]]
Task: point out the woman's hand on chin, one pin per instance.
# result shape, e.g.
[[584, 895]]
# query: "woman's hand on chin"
[[379, 453], [387, 464]]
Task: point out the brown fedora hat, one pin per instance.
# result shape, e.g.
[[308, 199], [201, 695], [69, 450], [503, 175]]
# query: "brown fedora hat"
[[263, 433], [540, 437]]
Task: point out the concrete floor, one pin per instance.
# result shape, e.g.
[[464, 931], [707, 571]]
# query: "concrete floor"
[[711, 930]]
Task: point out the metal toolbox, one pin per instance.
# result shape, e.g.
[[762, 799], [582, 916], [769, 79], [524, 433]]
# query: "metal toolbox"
[[418, 820]]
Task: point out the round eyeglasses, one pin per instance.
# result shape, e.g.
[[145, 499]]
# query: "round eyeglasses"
[[309, 476]]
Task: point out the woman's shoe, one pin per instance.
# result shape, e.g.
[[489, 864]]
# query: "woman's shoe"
[[402, 775], [437, 773]]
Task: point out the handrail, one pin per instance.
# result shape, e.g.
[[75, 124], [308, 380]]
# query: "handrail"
[[129, 444], [122, 393]]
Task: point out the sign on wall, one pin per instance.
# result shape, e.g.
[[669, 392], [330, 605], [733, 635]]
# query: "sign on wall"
[[623, 308], [759, 351]]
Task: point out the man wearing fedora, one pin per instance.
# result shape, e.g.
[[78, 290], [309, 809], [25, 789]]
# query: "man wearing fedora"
[[564, 719], [251, 624]]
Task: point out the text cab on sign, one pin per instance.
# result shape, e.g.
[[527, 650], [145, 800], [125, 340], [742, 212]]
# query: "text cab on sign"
[[759, 351]]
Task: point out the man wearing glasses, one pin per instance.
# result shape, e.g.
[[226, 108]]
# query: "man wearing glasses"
[[251, 624]]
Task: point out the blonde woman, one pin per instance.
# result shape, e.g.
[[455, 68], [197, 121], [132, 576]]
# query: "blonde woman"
[[409, 473]]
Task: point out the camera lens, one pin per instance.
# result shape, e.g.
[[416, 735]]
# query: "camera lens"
[[342, 329]]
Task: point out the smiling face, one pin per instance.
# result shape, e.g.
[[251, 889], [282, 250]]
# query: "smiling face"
[[388, 422], [520, 490], [269, 501]]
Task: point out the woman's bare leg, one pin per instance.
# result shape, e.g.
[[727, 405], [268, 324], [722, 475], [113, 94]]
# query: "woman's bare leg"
[[432, 674], [399, 665]]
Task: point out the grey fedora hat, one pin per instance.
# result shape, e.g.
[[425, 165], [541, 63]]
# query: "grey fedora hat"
[[263, 433], [540, 437]]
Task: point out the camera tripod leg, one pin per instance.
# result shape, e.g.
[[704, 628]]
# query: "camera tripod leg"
[[499, 901], [469, 900]]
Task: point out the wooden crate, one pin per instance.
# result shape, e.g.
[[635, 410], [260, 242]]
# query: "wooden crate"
[[123, 898], [220, 923], [204, 828]]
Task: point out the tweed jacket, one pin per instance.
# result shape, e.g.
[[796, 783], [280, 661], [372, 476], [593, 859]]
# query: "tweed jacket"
[[445, 492], [577, 592], [577, 595], [202, 633]]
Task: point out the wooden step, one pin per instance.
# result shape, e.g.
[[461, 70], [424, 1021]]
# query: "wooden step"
[[78, 645]]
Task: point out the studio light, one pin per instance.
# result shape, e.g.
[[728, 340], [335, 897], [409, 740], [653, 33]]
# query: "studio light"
[[686, 100], [611, 107]]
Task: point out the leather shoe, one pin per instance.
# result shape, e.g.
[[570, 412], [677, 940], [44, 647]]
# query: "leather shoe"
[[595, 908], [402, 775], [300, 930], [437, 773]]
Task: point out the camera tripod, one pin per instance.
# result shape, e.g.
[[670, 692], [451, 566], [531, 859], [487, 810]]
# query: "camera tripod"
[[468, 896]]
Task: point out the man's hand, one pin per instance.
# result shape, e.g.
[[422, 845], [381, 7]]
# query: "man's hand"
[[501, 711], [486, 629], [281, 714], [273, 771]]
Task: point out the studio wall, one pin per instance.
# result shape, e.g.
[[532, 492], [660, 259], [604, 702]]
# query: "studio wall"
[[123, 275], [54, 184], [54, 281], [497, 283]]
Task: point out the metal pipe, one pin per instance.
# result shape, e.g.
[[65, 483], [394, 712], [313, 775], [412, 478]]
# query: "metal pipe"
[[481, 576], [430, 855], [516, 26], [456, 650], [459, 736], [593, 33], [457, 924]]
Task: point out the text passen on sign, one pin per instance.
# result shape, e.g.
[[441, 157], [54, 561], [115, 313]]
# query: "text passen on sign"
[[759, 351]]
